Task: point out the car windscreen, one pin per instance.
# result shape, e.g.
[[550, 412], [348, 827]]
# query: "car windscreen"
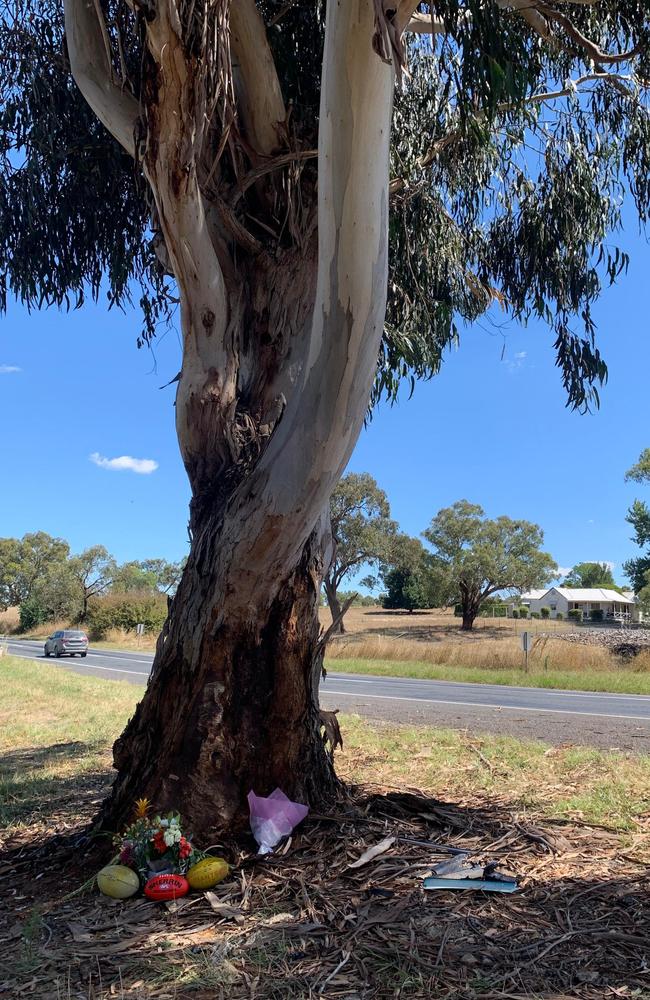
[[74, 635]]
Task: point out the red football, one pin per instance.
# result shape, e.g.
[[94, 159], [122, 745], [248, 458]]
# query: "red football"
[[163, 887]]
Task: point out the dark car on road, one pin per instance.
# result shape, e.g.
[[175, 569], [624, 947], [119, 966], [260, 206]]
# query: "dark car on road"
[[68, 642]]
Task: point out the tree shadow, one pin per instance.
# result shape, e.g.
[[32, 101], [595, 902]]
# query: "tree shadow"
[[45, 787], [427, 633]]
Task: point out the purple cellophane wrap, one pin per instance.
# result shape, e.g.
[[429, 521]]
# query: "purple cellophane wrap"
[[273, 818]]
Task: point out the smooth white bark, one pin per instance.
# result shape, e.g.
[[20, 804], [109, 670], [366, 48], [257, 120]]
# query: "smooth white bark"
[[115, 107], [320, 427], [260, 101]]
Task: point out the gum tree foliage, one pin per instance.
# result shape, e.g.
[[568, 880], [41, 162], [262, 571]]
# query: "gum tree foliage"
[[638, 569], [25, 561], [483, 556], [167, 574], [362, 531], [590, 574], [245, 175]]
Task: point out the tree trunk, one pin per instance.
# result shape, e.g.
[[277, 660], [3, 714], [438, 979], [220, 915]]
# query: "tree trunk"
[[232, 702], [280, 351], [334, 605], [469, 614]]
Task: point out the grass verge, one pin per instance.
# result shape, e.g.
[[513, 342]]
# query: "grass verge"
[[56, 729], [615, 681]]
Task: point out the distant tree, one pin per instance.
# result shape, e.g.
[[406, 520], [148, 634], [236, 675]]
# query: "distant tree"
[[362, 531], [58, 593], [638, 516], [23, 562], [357, 599], [94, 570], [405, 589], [167, 574], [10, 595], [31, 615], [591, 574], [643, 594], [484, 556], [132, 577], [414, 579]]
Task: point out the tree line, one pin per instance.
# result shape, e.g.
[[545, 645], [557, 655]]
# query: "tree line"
[[471, 557], [47, 582]]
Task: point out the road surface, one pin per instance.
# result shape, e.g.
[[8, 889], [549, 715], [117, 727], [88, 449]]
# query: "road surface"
[[593, 719]]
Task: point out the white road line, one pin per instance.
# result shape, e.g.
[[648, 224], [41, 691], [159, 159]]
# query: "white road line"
[[418, 701], [552, 692], [88, 666], [480, 704]]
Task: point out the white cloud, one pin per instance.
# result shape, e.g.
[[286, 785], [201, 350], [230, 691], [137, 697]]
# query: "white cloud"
[[9, 369], [517, 362], [564, 570], [143, 466]]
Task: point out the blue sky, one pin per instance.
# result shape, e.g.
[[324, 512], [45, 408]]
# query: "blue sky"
[[492, 428]]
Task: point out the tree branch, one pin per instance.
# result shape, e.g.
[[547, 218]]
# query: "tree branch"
[[405, 12], [90, 61], [207, 387], [526, 9], [585, 43], [259, 95], [425, 24]]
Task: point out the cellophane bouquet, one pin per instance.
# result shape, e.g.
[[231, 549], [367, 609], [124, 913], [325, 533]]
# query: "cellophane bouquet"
[[155, 845]]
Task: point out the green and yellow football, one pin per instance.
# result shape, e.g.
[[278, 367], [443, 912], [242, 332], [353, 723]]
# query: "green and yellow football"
[[206, 873], [118, 881]]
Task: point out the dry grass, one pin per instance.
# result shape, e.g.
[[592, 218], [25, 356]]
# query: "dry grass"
[[121, 638], [435, 624], [488, 654], [9, 621], [12, 627]]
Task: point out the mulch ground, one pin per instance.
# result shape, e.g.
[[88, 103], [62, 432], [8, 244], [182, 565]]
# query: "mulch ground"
[[302, 923]]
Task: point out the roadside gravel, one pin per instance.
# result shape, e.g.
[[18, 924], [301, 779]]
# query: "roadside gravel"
[[557, 729]]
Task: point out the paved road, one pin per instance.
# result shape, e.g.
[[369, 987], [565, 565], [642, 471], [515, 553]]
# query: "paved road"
[[559, 716]]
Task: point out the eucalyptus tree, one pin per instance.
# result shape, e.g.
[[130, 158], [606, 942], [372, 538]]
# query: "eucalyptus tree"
[[483, 556], [93, 570], [251, 163], [362, 532]]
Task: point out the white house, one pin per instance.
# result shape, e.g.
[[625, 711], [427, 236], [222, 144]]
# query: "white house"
[[614, 606]]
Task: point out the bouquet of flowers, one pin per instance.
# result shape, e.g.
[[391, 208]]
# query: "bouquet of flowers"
[[155, 845]]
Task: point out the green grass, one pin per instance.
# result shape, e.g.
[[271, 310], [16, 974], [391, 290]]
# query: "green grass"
[[616, 681], [56, 730], [606, 788]]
